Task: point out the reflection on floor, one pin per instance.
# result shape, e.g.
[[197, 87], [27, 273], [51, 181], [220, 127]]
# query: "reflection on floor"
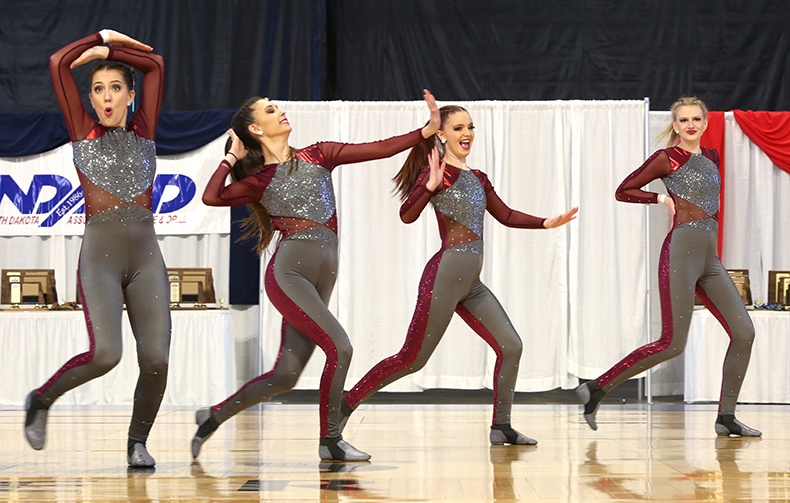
[[434, 452]]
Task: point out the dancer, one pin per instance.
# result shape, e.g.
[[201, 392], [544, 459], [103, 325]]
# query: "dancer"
[[291, 191], [120, 258], [688, 263], [451, 279]]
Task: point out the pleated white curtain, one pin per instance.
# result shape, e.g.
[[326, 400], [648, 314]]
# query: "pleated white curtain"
[[575, 294]]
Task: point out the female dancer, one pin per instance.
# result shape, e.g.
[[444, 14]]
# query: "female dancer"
[[688, 263], [291, 191], [120, 259], [451, 279]]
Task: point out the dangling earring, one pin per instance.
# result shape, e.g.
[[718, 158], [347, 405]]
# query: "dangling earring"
[[439, 145]]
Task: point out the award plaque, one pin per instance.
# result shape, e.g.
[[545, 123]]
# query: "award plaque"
[[193, 285], [779, 287], [28, 286], [741, 279]]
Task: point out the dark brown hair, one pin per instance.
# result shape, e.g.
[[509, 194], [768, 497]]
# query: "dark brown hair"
[[259, 223], [418, 157], [125, 71]]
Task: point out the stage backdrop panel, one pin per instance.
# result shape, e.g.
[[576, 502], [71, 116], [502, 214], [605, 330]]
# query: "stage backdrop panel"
[[41, 194]]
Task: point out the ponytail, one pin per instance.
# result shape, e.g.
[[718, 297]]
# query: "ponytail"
[[258, 224]]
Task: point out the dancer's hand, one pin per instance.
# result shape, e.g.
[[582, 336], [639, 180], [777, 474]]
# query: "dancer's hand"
[[113, 37], [563, 219], [90, 54], [433, 122], [669, 203], [237, 148], [437, 170]]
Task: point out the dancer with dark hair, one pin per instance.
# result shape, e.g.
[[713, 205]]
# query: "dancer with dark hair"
[[688, 264], [451, 279], [291, 191], [120, 258]]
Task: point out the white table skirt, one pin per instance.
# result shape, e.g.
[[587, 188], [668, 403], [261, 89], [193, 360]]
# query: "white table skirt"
[[768, 378], [35, 344]]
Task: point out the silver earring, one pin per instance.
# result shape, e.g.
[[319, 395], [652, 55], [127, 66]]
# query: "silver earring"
[[443, 141], [260, 133], [676, 131]]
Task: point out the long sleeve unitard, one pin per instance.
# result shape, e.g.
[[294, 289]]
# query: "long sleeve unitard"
[[451, 283], [302, 272], [120, 261], [688, 265]]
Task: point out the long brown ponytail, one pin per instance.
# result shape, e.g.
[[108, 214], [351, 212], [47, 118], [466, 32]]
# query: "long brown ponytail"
[[418, 157], [258, 224]]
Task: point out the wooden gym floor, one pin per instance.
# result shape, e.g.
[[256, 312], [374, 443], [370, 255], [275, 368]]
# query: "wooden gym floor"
[[421, 452]]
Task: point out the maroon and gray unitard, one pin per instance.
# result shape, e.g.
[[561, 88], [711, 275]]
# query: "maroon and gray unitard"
[[451, 283], [301, 274], [120, 260], [688, 265]]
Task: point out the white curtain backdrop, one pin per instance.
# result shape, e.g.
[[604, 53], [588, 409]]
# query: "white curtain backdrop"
[[757, 216], [575, 294]]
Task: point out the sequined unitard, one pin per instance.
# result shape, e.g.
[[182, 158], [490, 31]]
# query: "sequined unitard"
[[120, 260], [451, 283], [301, 274], [688, 264]]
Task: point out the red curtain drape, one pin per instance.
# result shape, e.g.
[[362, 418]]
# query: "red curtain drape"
[[714, 138], [770, 131]]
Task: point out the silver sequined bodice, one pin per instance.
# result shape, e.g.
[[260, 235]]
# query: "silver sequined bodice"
[[121, 164], [465, 202], [305, 193], [698, 182]]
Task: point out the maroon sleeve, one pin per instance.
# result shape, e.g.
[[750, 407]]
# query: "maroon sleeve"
[[502, 212], [336, 154], [712, 154], [418, 199], [630, 191], [153, 67], [78, 121], [248, 190]]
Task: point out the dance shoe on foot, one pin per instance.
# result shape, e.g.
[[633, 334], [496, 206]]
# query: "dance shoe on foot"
[[727, 425], [206, 427], [138, 457], [337, 449], [35, 421], [502, 434], [590, 398]]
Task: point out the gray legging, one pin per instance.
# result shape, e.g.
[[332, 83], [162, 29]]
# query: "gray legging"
[[451, 283], [121, 260], [689, 263], [299, 281]]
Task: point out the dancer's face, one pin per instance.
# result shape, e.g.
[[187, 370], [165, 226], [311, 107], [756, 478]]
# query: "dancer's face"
[[110, 97], [458, 132], [270, 120], [690, 123]]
